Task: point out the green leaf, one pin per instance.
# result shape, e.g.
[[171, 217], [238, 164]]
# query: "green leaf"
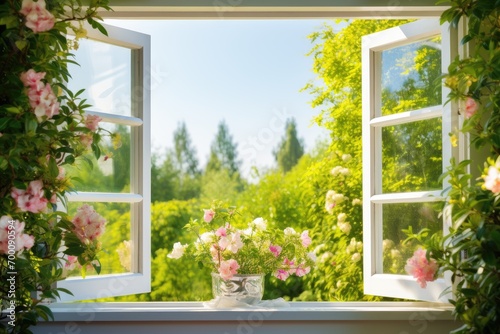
[[21, 44], [53, 168], [30, 125]]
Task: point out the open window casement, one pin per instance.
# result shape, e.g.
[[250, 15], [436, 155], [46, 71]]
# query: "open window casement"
[[406, 147], [115, 72]]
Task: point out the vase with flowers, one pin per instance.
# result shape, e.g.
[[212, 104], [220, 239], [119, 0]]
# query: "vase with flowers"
[[241, 257]]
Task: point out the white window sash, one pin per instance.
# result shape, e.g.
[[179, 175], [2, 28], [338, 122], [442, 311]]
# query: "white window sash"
[[375, 281], [139, 280]]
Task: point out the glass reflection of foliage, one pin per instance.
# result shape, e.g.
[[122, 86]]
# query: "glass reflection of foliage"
[[117, 217], [397, 217], [411, 156], [111, 173]]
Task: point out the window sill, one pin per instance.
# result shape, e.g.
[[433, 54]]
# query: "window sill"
[[299, 318], [298, 311]]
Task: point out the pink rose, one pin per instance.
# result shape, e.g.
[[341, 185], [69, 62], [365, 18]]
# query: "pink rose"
[[38, 18], [92, 122], [470, 107], [282, 274], [276, 250], [208, 215], [420, 268], [228, 269], [492, 180], [306, 239]]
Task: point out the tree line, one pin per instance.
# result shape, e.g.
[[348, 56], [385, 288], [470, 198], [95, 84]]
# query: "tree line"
[[178, 175]]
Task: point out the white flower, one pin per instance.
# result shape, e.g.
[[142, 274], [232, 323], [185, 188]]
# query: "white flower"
[[359, 246], [289, 231], [248, 231], [387, 244], [178, 251], [356, 257], [346, 157], [341, 217], [396, 254], [345, 227], [339, 284], [232, 243], [352, 246], [260, 224], [356, 201], [325, 257], [207, 237], [312, 256]]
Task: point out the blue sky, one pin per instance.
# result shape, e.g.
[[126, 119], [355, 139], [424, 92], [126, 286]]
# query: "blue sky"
[[247, 72]]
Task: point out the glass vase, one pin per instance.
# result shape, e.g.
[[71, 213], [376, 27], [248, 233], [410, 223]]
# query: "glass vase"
[[247, 289]]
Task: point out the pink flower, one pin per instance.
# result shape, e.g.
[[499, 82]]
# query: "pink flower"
[[92, 122], [86, 139], [71, 262], [38, 18], [420, 268], [41, 97], [88, 225], [282, 274], [221, 232], [228, 269], [470, 107], [32, 199], [492, 180], [22, 241], [276, 250], [232, 242], [306, 239], [208, 215], [31, 78], [289, 265], [301, 271]]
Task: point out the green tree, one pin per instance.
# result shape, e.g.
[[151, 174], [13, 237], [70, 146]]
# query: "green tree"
[[223, 151], [290, 149], [163, 175], [178, 176]]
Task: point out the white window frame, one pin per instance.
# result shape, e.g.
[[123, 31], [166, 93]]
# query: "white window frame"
[[139, 197], [375, 281], [274, 10]]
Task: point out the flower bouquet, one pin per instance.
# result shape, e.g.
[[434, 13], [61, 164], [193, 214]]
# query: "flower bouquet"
[[255, 250]]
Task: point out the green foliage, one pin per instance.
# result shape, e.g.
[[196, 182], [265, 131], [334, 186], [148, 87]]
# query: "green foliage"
[[43, 130], [471, 251]]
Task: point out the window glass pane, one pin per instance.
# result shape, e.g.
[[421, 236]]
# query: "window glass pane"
[[111, 172], [399, 217], [115, 256], [411, 156], [105, 73], [410, 76]]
